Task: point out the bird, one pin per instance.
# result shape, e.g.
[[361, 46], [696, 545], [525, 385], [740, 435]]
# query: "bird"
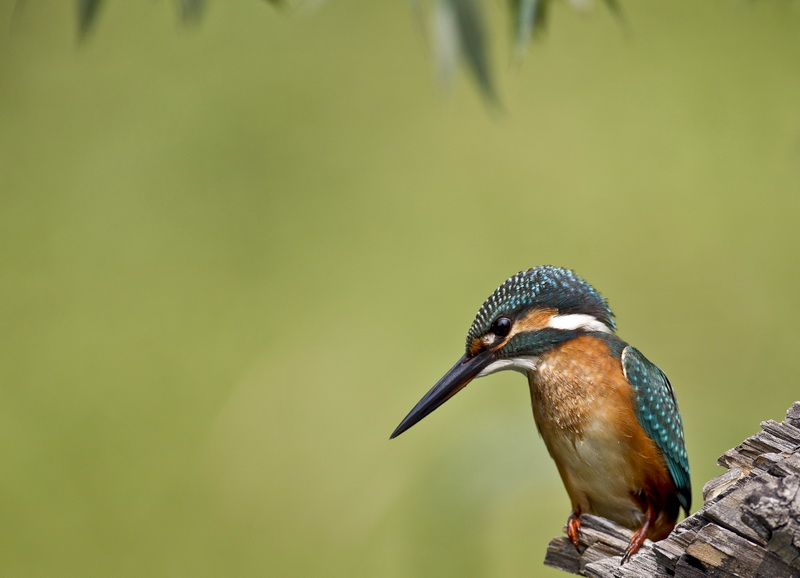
[[608, 416]]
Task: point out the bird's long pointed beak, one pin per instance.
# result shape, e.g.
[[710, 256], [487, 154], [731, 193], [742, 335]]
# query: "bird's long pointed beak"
[[453, 381]]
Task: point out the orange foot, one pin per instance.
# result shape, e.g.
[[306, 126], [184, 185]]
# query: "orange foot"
[[573, 526], [636, 542], [639, 535]]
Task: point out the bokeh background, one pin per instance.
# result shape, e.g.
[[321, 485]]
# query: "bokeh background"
[[235, 255]]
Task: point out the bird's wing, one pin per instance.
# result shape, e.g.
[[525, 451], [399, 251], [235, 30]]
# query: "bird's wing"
[[657, 410]]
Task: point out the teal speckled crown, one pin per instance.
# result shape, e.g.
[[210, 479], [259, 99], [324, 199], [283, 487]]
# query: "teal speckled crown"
[[545, 287]]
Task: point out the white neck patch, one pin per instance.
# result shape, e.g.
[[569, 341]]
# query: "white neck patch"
[[523, 364], [578, 321]]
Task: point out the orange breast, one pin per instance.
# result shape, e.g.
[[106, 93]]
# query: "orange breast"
[[584, 410]]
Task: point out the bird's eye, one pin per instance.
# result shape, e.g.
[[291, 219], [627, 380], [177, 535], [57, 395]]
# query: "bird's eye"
[[501, 327]]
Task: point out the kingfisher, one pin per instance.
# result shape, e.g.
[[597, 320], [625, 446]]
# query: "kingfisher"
[[608, 415]]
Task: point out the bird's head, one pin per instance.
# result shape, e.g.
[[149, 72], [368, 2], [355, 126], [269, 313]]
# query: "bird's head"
[[531, 312]]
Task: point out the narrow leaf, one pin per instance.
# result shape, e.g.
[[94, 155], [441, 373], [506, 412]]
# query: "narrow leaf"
[[614, 7], [471, 29], [542, 16], [616, 10], [87, 15], [524, 13], [191, 10]]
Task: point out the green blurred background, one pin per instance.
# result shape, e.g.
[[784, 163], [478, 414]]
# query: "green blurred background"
[[235, 255]]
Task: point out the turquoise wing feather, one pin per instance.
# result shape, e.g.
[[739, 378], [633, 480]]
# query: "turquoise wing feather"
[[657, 411]]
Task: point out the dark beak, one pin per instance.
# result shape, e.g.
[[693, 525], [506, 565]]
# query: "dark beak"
[[453, 381]]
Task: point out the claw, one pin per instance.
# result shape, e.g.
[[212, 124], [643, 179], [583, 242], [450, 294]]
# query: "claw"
[[640, 535], [636, 542], [573, 526]]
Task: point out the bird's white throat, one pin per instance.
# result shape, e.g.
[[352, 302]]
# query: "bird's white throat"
[[523, 364]]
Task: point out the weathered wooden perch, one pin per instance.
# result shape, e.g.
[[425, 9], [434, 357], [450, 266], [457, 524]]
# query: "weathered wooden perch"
[[749, 525]]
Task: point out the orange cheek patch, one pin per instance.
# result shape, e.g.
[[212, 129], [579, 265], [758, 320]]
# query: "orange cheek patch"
[[535, 320]]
